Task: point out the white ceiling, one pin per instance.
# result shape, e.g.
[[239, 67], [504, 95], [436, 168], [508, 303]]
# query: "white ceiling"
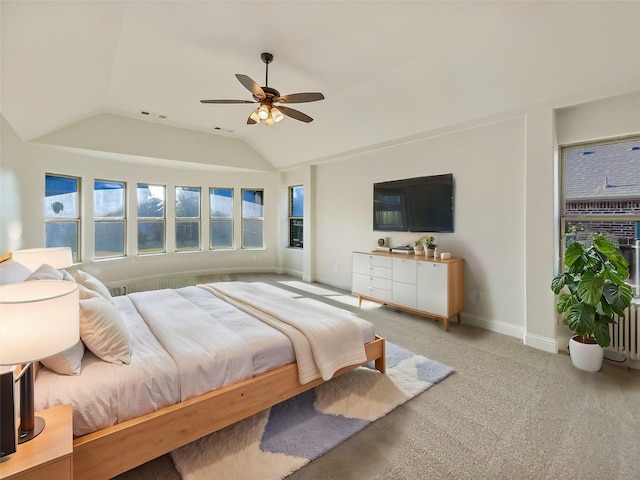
[[388, 69]]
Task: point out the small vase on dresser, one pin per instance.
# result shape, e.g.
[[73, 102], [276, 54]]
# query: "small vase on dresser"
[[428, 252]]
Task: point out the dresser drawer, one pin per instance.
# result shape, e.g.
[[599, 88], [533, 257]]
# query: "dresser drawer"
[[381, 295], [381, 283], [380, 272], [378, 261]]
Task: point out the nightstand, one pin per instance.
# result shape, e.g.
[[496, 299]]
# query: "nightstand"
[[49, 455]]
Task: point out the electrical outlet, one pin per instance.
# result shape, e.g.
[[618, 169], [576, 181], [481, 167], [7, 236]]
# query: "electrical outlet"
[[336, 268], [479, 296], [253, 257]]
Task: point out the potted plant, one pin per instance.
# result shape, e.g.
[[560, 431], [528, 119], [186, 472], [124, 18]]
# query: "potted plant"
[[591, 289], [428, 242], [418, 249]]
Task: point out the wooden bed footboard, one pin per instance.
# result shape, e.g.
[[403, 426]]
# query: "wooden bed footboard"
[[114, 450]]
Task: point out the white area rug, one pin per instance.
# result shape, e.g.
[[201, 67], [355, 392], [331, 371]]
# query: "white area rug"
[[280, 440]]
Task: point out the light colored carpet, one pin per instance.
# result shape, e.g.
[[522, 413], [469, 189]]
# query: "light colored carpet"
[[280, 440], [509, 411]]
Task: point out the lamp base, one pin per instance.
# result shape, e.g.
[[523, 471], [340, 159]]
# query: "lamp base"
[[38, 426]]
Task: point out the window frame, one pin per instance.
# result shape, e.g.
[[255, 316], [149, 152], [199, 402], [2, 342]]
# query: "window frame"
[[123, 219], [213, 219], [186, 219], [295, 218], [151, 220], [566, 219], [77, 220], [245, 218]]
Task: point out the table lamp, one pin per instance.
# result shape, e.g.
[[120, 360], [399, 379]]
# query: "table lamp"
[[37, 320], [32, 258]]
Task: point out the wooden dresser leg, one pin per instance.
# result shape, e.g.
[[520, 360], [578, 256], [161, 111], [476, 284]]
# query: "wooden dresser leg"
[[446, 324]]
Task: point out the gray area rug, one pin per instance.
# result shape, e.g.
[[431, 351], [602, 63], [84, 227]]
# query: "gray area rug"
[[280, 440]]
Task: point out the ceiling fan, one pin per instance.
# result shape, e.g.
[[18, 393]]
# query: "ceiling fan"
[[267, 97]]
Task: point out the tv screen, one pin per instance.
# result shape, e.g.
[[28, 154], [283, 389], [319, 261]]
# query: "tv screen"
[[421, 204]]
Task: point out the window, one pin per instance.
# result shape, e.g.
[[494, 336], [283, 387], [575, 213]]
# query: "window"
[[252, 218], [109, 218], [62, 212], [220, 218], [601, 195], [187, 218], [296, 216], [151, 218]]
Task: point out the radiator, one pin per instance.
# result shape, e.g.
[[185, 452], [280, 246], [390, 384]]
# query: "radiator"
[[153, 284], [625, 333]]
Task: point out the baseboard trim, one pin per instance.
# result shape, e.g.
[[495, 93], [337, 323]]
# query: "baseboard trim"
[[541, 343], [535, 341], [493, 325]]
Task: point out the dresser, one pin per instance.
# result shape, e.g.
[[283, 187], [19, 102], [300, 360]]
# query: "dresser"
[[414, 283]]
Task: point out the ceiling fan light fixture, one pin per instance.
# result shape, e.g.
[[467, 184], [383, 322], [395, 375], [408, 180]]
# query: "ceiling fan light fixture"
[[270, 120], [276, 114], [254, 116], [263, 111]]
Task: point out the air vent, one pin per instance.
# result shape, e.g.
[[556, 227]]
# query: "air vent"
[[147, 113]]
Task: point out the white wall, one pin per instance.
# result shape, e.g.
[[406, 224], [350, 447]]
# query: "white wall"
[[487, 162], [505, 206], [607, 118]]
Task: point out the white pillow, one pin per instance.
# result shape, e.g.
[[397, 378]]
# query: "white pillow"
[[102, 329], [68, 362], [13, 272], [92, 283], [47, 272]]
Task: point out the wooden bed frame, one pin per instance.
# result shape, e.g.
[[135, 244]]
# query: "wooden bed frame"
[[114, 450], [117, 449]]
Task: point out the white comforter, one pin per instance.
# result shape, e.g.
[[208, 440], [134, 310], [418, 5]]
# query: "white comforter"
[[186, 342], [324, 342], [208, 354]]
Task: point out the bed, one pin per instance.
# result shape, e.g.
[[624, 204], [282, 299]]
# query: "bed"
[[177, 386]]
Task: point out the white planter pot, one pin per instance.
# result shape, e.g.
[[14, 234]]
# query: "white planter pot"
[[586, 356]]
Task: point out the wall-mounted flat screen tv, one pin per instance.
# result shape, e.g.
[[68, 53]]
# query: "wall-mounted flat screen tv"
[[421, 204]]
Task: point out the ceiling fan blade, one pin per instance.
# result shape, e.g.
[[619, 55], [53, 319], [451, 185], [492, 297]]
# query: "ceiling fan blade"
[[253, 87], [226, 101], [290, 112], [300, 97]]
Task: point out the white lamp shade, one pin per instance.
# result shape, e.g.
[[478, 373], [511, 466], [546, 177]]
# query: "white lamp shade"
[[254, 116], [37, 319], [32, 258], [276, 114], [263, 111]]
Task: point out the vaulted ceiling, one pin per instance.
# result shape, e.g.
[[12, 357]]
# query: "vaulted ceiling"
[[388, 69]]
